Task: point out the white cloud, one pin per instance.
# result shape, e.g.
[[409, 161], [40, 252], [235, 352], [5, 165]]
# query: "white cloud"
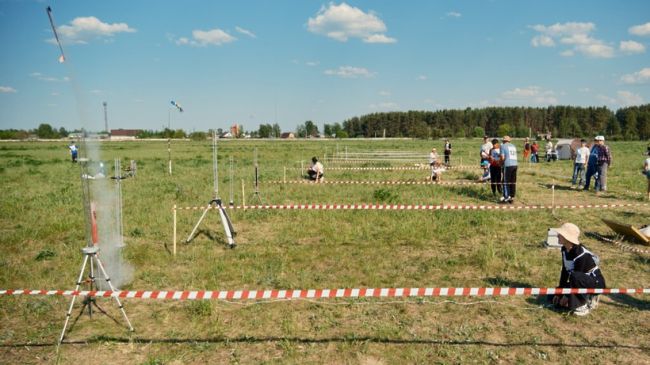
[[95, 91], [245, 32], [421, 77], [584, 90], [558, 30], [389, 105], [202, 38], [627, 98], [640, 77], [528, 95], [350, 72], [384, 93], [341, 22], [83, 29], [542, 41], [453, 14], [379, 38], [640, 30], [312, 63], [7, 90], [54, 93], [623, 98], [39, 76], [631, 47], [574, 34], [596, 50]]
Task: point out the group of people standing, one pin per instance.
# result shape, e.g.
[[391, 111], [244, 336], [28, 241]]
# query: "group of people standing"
[[502, 160], [591, 163]]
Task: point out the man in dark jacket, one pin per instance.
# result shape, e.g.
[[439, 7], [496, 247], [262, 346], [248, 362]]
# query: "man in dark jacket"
[[579, 270]]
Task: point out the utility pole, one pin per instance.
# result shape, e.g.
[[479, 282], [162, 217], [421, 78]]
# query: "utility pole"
[[105, 117]]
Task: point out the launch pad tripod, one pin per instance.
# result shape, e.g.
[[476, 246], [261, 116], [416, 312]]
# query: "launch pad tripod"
[[90, 256]]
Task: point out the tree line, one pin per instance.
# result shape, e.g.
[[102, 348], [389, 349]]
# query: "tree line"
[[630, 123]]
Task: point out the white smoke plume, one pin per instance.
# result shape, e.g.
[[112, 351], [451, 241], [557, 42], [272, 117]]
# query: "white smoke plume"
[[103, 192]]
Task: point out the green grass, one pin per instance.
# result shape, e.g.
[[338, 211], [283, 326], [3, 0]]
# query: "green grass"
[[41, 232]]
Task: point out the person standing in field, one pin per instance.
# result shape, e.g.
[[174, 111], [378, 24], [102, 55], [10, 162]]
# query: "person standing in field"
[[495, 168], [580, 164], [646, 171], [447, 152], [485, 149], [433, 157], [579, 270], [508, 157], [549, 151], [603, 164], [592, 163], [74, 151], [526, 149], [534, 152]]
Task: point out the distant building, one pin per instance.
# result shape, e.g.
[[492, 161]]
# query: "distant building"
[[124, 134], [226, 135], [287, 135]]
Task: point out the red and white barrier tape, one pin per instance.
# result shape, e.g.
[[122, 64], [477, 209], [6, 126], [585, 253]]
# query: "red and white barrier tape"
[[415, 207], [424, 167], [324, 293], [385, 182]]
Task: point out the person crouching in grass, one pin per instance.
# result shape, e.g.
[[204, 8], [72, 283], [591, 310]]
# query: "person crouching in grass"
[[315, 171], [579, 270]]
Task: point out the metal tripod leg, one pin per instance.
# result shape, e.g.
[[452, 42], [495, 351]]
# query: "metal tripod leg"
[[191, 236], [227, 226], [69, 313], [108, 281]]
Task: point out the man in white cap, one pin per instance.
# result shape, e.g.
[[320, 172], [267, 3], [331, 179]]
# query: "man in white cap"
[[508, 154], [579, 270]]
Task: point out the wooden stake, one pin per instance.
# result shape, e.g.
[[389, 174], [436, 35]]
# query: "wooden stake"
[[174, 230], [285, 175], [243, 194], [553, 196]]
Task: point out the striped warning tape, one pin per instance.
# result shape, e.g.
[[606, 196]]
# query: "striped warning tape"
[[385, 182], [391, 168], [416, 206], [324, 293]]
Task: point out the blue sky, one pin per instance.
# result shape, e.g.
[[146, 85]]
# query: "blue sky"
[[252, 62]]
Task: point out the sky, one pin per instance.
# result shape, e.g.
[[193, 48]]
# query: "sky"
[[286, 61]]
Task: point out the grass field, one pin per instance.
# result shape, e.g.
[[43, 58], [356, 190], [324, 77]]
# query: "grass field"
[[42, 230]]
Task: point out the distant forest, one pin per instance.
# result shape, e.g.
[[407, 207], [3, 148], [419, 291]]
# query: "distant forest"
[[630, 123]]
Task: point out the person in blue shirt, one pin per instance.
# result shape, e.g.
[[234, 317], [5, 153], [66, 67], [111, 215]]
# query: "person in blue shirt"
[[592, 165], [509, 161]]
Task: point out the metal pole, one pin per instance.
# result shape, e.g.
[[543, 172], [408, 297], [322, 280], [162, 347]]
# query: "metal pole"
[[67, 315], [174, 215], [232, 200], [215, 162]]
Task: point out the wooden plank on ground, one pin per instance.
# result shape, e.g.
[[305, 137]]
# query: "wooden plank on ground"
[[628, 231]]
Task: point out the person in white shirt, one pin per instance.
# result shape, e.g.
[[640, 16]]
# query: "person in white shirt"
[[433, 157], [580, 164], [550, 151], [73, 151], [316, 170], [485, 149]]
